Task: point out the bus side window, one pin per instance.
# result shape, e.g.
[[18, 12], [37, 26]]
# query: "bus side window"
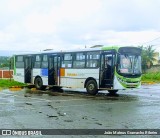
[[92, 63], [19, 62], [45, 61], [92, 59], [37, 61], [67, 61], [79, 61]]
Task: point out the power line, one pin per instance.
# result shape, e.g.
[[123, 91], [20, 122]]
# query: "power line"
[[151, 40], [157, 45]]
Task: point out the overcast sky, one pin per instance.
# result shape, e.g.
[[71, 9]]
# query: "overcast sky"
[[68, 24]]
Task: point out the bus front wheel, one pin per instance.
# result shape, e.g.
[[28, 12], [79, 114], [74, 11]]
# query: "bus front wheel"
[[39, 83], [91, 87]]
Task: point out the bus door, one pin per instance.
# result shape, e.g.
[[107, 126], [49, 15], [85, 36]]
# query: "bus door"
[[53, 70], [107, 69], [27, 69]]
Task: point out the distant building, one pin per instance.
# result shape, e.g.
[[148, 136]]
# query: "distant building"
[[156, 56]]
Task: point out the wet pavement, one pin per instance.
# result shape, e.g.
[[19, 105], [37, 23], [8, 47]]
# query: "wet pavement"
[[129, 109]]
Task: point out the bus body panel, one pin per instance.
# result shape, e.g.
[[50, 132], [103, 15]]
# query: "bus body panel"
[[45, 80], [19, 75], [116, 84], [41, 73], [72, 83], [76, 78], [36, 72], [121, 82]]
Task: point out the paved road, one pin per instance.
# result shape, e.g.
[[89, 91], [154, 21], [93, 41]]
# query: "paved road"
[[130, 109]]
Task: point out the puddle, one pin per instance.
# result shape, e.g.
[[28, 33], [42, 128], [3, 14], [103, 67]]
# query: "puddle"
[[100, 96]]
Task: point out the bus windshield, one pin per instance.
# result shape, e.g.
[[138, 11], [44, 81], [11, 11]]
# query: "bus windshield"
[[129, 64]]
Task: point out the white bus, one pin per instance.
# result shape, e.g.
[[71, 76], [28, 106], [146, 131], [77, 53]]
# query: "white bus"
[[85, 68]]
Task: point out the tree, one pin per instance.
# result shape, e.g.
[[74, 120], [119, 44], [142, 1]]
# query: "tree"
[[148, 56], [6, 62]]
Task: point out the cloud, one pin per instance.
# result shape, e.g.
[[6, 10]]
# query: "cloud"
[[65, 15], [57, 24], [15, 6], [132, 15], [40, 23], [6, 37], [130, 38]]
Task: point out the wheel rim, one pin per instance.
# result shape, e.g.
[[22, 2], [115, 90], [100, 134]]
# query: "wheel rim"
[[91, 87], [38, 82]]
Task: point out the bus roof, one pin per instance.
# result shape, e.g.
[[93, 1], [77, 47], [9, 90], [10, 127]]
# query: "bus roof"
[[72, 50]]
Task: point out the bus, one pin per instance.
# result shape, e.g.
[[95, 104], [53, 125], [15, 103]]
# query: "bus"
[[109, 68]]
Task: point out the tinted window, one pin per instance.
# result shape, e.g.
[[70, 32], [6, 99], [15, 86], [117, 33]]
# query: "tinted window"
[[45, 61], [19, 62], [67, 61], [92, 59], [19, 58], [37, 61], [79, 61]]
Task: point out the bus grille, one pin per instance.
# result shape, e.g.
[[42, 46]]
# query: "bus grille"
[[132, 84]]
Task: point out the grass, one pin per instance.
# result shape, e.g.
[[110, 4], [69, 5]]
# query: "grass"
[[10, 83], [151, 77]]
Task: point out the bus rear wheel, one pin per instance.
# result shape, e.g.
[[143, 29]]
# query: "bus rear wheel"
[[39, 83], [112, 91], [91, 87]]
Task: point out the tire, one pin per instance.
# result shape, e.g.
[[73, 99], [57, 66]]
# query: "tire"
[[112, 91], [39, 83], [91, 87]]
